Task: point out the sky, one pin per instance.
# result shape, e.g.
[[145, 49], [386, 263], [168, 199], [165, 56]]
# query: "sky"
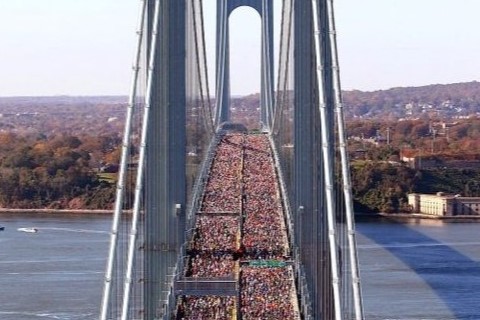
[[86, 47]]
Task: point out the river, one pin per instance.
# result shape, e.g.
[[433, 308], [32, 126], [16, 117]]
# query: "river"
[[424, 270]]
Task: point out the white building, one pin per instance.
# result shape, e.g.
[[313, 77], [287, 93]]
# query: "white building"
[[441, 204]]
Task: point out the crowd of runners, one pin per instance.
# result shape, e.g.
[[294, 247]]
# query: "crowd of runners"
[[241, 222]]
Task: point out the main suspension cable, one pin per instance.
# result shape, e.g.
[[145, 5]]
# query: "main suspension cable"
[[327, 164], [347, 185]]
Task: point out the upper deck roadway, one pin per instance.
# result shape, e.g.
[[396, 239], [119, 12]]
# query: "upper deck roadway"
[[238, 264]]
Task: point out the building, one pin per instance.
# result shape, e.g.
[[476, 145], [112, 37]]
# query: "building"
[[441, 204], [415, 160]]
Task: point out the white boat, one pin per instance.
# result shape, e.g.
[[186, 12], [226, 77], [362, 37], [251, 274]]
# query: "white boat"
[[29, 230]]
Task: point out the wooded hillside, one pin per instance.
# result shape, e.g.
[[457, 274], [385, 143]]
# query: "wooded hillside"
[[53, 149]]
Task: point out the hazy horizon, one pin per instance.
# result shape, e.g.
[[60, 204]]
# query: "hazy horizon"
[[212, 96]]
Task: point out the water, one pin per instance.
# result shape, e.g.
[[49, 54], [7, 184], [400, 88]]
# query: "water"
[[417, 271], [55, 273], [427, 271]]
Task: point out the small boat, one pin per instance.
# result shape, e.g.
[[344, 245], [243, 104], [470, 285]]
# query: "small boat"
[[2, 228], [29, 230]]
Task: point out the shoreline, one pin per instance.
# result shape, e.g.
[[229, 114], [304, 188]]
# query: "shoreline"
[[417, 216], [389, 216], [56, 211]]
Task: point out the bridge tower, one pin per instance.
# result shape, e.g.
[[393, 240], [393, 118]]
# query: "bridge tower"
[[308, 130], [144, 262], [265, 9], [165, 155], [141, 272]]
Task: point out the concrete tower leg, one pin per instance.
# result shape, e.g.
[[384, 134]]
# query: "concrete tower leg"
[[308, 175], [165, 188]]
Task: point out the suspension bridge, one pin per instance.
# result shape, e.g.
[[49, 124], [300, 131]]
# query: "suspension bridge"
[[215, 221]]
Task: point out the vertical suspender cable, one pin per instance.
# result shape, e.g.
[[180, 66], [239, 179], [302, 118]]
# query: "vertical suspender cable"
[[270, 63], [282, 73], [210, 116], [221, 61], [123, 168], [282, 85], [327, 161], [196, 62], [263, 67], [141, 168], [279, 73], [357, 297], [201, 63], [266, 63]]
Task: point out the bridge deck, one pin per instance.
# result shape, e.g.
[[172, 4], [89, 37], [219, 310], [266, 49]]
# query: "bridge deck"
[[240, 240]]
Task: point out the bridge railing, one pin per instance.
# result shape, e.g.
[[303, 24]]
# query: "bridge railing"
[[283, 194], [299, 273], [201, 181]]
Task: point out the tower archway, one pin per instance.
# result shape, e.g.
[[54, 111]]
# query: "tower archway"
[[265, 10]]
